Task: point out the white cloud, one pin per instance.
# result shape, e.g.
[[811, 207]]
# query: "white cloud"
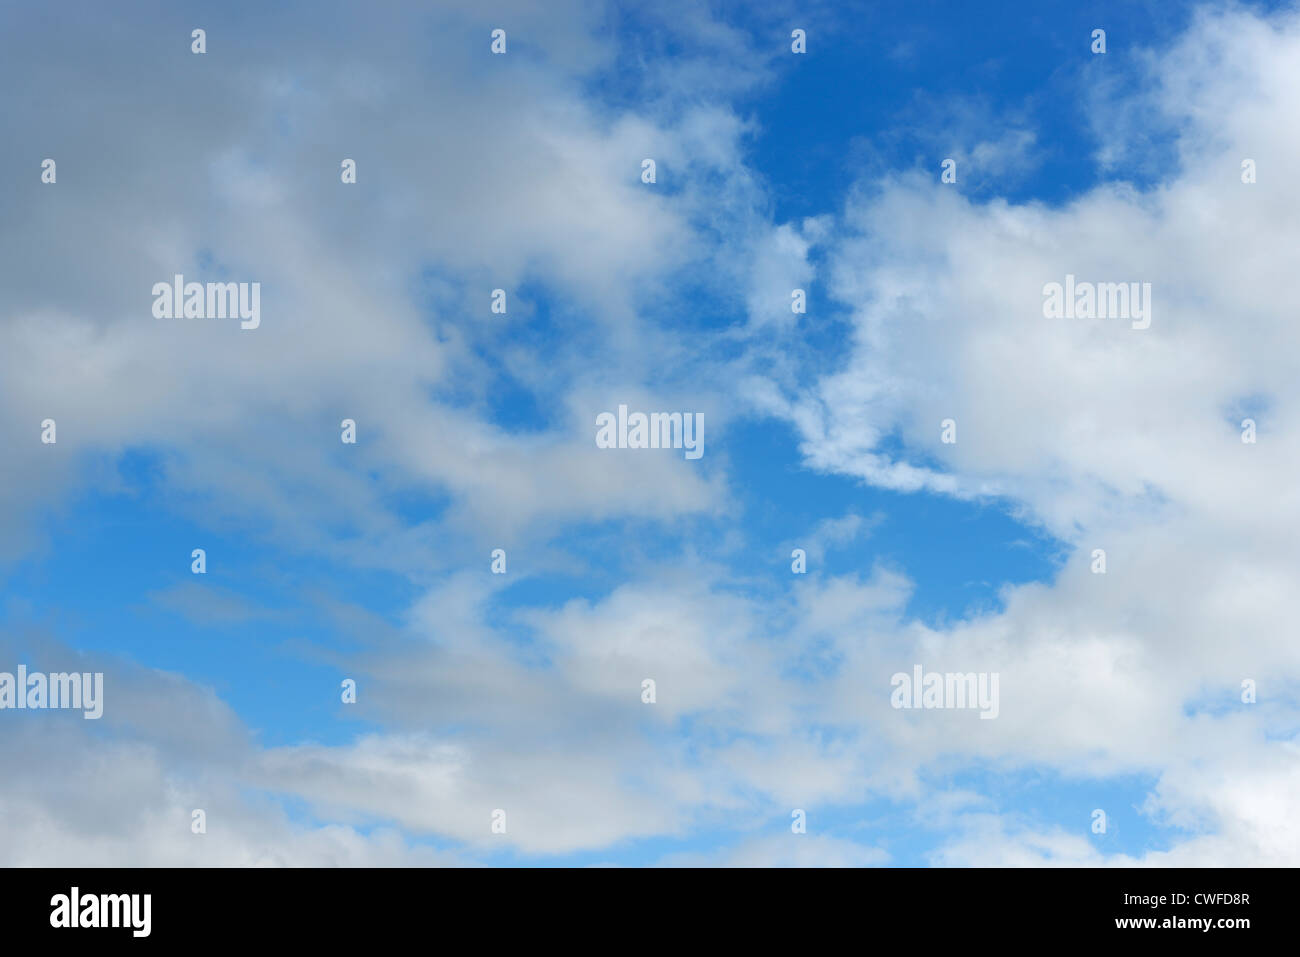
[[1110, 437]]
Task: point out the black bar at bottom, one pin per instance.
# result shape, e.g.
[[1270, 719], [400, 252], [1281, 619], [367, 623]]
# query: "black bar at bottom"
[[651, 908]]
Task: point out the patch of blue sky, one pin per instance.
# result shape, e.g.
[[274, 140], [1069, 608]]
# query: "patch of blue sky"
[[117, 580]]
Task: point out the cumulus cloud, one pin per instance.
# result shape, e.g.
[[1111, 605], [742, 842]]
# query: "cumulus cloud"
[[375, 307], [495, 171]]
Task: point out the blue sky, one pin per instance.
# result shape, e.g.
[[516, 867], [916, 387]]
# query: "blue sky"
[[520, 691]]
